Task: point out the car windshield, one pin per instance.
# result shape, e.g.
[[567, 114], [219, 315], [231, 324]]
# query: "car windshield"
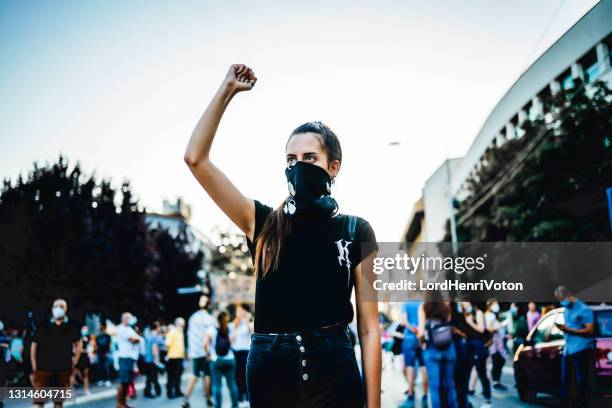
[[604, 323]]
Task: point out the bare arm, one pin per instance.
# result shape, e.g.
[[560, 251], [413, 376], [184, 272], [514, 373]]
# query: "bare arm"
[[33, 356], [368, 330], [239, 208]]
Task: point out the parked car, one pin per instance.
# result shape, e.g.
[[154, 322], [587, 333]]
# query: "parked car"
[[537, 362]]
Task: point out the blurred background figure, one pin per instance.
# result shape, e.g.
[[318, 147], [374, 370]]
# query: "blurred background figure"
[[242, 329], [153, 340], [175, 341], [103, 356], [128, 350], [578, 364], [81, 369], [52, 350], [497, 349], [219, 345], [197, 329], [411, 350], [533, 316]]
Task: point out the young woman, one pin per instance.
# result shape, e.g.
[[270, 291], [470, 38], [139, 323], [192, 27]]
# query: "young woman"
[[477, 348], [497, 349], [81, 369], [307, 260], [435, 313], [218, 345], [242, 328]]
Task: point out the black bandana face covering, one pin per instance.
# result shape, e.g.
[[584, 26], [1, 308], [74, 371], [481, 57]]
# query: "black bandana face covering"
[[309, 191]]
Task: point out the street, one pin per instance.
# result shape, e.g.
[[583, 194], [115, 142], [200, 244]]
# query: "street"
[[393, 387]]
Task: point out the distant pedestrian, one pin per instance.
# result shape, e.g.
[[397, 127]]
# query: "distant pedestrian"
[[533, 316], [579, 352], [411, 350], [461, 375], [242, 329], [4, 359], [153, 340], [219, 344], [175, 341], [52, 349], [81, 369], [497, 349], [103, 355], [128, 350], [477, 348], [436, 331], [197, 329]]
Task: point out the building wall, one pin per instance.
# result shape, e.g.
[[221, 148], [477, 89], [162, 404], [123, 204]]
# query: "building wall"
[[591, 35]]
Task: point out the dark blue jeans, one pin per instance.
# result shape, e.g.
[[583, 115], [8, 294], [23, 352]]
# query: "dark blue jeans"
[[580, 366], [306, 369]]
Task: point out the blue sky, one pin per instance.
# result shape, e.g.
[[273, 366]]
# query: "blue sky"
[[119, 86]]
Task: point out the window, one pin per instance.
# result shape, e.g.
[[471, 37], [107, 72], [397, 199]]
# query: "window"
[[590, 66], [545, 98], [565, 79], [604, 323], [515, 127], [529, 109], [540, 334]]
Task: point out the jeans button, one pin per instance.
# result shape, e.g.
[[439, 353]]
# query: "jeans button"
[[302, 349], [305, 376], [298, 337], [304, 363]]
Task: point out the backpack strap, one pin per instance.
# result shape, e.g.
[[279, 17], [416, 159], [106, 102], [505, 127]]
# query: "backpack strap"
[[351, 225]]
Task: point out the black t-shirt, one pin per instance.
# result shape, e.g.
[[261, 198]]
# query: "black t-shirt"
[[54, 345], [312, 286], [103, 341]]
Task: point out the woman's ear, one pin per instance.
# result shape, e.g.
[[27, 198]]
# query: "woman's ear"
[[334, 169]]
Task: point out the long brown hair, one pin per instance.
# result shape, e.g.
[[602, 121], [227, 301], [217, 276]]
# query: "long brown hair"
[[435, 307], [277, 226]]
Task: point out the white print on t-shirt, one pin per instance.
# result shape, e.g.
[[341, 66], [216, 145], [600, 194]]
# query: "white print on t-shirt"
[[343, 255]]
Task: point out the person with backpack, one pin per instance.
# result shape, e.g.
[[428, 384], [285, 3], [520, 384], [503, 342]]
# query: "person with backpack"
[[219, 346], [436, 333]]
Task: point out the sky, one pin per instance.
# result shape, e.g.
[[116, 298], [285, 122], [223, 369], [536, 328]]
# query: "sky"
[[119, 87]]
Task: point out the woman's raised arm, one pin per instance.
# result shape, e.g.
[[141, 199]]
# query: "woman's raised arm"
[[239, 208]]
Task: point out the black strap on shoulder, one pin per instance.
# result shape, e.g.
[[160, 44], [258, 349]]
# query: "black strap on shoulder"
[[351, 224]]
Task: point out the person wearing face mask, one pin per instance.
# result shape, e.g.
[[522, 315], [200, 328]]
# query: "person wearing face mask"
[[579, 351], [497, 349], [128, 343], [52, 349], [307, 257]]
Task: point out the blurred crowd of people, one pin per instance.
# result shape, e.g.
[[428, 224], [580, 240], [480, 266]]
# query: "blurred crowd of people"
[[60, 353], [453, 346]]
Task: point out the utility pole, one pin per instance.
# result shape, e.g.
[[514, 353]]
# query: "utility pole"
[[451, 207]]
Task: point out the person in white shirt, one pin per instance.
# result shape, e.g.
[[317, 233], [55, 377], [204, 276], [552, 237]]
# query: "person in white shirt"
[[219, 345], [198, 327], [128, 343], [242, 329]]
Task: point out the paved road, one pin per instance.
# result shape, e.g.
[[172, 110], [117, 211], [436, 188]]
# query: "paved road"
[[392, 397]]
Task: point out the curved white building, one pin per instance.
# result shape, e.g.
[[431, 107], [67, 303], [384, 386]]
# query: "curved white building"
[[582, 52]]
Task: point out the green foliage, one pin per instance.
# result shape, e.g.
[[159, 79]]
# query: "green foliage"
[[66, 234], [550, 183]]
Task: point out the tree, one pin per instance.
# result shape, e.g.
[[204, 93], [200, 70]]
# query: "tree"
[[69, 235], [548, 185]]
